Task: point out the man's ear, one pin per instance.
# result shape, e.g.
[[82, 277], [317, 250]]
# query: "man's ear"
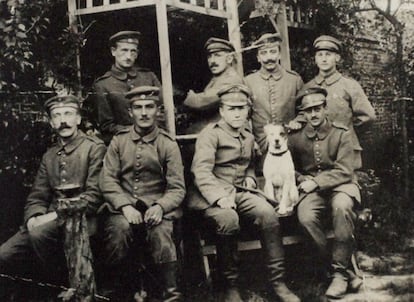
[[337, 58], [130, 112], [113, 49], [229, 58]]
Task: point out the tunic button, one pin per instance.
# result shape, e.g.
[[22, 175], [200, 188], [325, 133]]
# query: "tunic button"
[[317, 145], [137, 164], [318, 159], [137, 179], [135, 196], [135, 188], [59, 153], [138, 156], [63, 180], [139, 149]]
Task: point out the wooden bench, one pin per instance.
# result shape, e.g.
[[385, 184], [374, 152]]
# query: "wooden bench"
[[210, 249]]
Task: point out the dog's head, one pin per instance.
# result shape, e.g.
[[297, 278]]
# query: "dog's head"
[[276, 136]]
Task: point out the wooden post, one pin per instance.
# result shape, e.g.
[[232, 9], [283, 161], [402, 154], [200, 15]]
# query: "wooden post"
[[74, 27], [71, 210], [282, 26], [234, 31], [166, 77]]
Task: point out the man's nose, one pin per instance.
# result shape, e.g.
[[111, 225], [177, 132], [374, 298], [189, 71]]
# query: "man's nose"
[[144, 111]]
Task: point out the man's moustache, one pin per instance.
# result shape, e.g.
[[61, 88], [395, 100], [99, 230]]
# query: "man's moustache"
[[213, 65], [63, 126], [270, 61]]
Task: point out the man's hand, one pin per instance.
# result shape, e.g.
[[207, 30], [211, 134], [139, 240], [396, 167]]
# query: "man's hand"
[[226, 203], [132, 215], [294, 125], [249, 182], [308, 186], [36, 221], [153, 216]]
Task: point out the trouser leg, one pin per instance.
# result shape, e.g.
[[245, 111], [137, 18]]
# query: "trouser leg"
[[47, 241], [310, 211], [343, 219], [164, 254], [263, 216], [226, 225]]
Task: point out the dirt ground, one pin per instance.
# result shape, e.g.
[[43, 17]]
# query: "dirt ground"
[[387, 278]]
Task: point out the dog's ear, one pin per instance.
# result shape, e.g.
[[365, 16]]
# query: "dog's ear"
[[286, 127]]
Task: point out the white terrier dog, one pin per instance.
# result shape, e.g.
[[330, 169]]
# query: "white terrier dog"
[[279, 171]]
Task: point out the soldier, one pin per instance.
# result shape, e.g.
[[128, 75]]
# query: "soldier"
[[274, 89], [221, 61], [223, 169], [347, 103], [75, 159], [110, 105], [322, 152], [143, 183]]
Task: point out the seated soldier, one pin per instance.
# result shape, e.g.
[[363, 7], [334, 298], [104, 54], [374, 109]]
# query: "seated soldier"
[[75, 159], [323, 153], [143, 182], [223, 168]]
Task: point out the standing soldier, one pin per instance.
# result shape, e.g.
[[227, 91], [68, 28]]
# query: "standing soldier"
[[221, 60], [143, 183], [274, 88], [76, 159], [223, 168], [347, 103], [323, 156], [111, 106]]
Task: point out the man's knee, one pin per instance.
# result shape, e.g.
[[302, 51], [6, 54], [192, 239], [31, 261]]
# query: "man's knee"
[[226, 221], [117, 238], [161, 241], [265, 216], [341, 203], [306, 217]]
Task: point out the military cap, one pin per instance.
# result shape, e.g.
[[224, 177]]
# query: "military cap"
[[143, 93], [62, 101], [126, 36], [268, 40], [216, 44], [325, 42], [311, 97], [234, 95]]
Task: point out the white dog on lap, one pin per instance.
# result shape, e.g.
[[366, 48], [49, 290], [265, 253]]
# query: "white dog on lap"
[[279, 171]]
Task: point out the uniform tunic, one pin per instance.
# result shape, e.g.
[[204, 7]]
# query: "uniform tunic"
[[273, 99], [141, 171], [347, 104], [77, 162], [326, 156], [111, 106], [206, 103], [222, 161]]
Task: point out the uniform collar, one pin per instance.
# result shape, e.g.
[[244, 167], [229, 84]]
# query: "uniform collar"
[[320, 133], [277, 74], [146, 138], [123, 75], [330, 79], [229, 130], [73, 144]]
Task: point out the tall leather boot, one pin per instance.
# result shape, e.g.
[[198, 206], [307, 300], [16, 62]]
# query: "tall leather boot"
[[169, 282], [273, 247], [228, 266], [341, 259]]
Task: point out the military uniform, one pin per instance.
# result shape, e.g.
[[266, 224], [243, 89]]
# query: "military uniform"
[[347, 103], [111, 106], [77, 162], [142, 171], [326, 155], [205, 104], [273, 99], [223, 160]]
